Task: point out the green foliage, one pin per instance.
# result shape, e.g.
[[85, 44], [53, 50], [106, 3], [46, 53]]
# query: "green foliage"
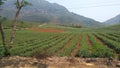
[[26, 3], [110, 43], [85, 50], [22, 3], [8, 24], [103, 44], [38, 45], [1, 2], [1, 51], [60, 45], [2, 19], [67, 51], [100, 49]]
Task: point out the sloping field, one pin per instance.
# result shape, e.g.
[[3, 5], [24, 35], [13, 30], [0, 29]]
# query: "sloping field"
[[58, 41], [46, 30]]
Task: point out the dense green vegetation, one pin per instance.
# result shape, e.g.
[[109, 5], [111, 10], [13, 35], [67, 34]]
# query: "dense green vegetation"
[[7, 24], [102, 42]]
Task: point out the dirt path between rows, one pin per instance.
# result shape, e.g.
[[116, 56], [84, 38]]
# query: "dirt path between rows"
[[47, 48], [88, 40], [99, 41], [77, 47], [67, 44]]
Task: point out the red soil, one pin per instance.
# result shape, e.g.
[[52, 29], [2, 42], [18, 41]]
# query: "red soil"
[[46, 30]]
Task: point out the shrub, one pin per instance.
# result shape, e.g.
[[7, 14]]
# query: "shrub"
[[41, 55]]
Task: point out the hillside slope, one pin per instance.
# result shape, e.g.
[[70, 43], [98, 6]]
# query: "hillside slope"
[[114, 27], [43, 11], [113, 21]]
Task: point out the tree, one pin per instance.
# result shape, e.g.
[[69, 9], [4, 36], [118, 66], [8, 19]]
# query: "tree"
[[1, 2], [2, 32], [19, 5]]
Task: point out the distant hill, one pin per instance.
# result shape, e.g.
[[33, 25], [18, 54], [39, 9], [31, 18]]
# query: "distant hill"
[[113, 21], [115, 27], [45, 12], [112, 28]]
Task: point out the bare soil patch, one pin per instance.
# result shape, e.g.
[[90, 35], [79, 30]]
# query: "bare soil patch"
[[46, 30], [57, 62]]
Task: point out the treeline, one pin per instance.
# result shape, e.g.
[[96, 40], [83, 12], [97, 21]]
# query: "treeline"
[[72, 25]]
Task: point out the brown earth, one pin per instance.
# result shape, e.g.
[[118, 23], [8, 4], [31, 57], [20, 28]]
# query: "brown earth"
[[77, 47], [67, 44], [46, 30], [88, 40], [99, 40], [57, 62]]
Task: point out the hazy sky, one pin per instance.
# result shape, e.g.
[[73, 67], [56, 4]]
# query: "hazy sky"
[[100, 10]]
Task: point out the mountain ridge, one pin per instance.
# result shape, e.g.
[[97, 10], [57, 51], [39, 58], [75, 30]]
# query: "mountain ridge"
[[113, 21], [45, 12]]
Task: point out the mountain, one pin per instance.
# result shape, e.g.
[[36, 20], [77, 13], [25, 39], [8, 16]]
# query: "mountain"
[[45, 12], [113, 21], [113, 28]]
